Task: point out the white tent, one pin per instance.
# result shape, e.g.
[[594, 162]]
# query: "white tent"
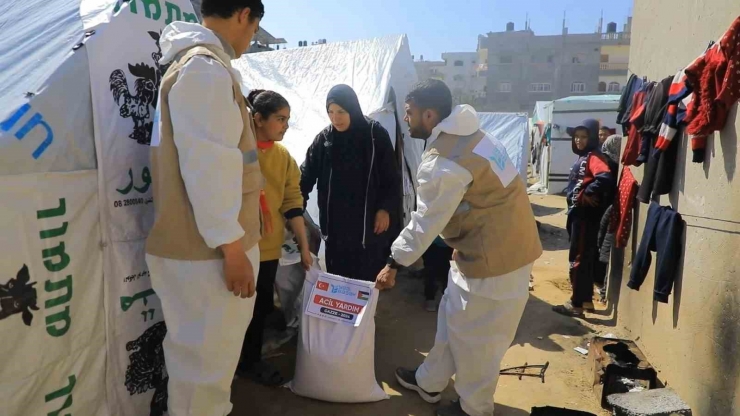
[[381, 71], [512, 129], [542, 112], [558, 157], [80, 325]]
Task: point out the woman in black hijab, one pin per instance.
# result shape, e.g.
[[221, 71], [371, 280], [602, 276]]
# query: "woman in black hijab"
[[359, 187]]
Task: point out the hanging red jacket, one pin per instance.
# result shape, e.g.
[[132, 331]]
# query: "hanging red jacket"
[[636, 121], [621, 220], [715, 79]]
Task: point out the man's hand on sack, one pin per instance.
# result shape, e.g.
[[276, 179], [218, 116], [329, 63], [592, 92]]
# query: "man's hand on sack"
[[382, 221], [386, 279], [238, 271]]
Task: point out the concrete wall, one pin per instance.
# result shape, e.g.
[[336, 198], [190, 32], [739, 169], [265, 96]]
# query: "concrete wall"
[[618, 54], [463, 80], [430, 69], [694, 340], [539, 59]]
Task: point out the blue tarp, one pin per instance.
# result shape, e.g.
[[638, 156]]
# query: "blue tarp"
[[592, 98], [512, 129]]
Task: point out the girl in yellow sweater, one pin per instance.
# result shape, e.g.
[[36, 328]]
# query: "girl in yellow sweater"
[[284, 201]]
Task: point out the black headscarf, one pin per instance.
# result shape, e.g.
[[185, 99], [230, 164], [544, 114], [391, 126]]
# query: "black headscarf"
[[350, 161], [345, 97], [592, 126]]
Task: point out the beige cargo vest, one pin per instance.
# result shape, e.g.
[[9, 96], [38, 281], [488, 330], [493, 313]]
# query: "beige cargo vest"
[[175, 234], [493, 229]]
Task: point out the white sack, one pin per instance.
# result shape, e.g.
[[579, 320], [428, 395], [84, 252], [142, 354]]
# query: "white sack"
[[289, 287], [336, 362]]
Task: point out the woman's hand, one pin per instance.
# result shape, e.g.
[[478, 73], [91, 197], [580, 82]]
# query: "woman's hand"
[[306, 259], [382, 221]]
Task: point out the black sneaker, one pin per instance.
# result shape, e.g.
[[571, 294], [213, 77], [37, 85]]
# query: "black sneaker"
[[407, 378]]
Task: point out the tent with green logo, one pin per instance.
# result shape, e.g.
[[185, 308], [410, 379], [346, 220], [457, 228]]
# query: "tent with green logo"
[[80, 325]]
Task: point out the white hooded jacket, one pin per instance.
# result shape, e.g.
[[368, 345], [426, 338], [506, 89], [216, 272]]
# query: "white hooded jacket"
[[442, 185], [207, 126]]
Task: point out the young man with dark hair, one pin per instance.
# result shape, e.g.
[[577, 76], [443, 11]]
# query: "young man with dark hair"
[[604, 133], [202, 250], [470, 193]]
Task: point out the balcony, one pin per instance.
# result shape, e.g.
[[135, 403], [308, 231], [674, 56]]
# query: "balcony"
[[616, 36], [608, 68]]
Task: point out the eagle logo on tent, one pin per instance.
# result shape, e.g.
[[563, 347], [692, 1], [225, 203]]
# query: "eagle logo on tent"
[[147, 369], [18, 296], [138, 104]]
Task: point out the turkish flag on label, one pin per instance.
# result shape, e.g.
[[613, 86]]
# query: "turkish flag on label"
[[340, 300]]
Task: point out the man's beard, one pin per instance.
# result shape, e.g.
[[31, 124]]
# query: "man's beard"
[[419, 133]]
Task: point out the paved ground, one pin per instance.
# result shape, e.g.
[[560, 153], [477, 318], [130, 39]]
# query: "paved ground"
[[405, 333]]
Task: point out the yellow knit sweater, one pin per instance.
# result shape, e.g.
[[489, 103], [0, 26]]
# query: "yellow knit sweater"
[[283, 194]]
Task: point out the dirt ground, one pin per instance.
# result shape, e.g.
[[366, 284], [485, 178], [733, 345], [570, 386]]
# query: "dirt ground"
[[405, 333]]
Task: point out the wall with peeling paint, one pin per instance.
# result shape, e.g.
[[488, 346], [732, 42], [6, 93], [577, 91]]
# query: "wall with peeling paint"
[[695, 339]]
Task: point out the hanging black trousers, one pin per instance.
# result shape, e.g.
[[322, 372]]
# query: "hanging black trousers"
[[663, 234]]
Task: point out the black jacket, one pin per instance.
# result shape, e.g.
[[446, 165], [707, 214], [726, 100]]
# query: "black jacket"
[[382, 191], [606, 238]]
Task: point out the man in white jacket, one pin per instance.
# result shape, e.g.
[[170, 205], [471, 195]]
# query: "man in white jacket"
[[471, 194], [202, 250]]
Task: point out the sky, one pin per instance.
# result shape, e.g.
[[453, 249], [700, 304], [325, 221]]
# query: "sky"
[[432, 26]]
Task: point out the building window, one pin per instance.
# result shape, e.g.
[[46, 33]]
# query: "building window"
[[614, 87], [459, 63], [506, 59], [485, 88], [551, 59], [604, 59], [602, 86], [504, 87], [458, 77], [578, 87], [540, 87]]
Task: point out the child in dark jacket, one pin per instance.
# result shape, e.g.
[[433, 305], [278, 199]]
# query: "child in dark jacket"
[[611, 149], [590, 191]]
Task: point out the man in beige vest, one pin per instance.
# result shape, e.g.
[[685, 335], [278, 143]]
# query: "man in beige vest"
[[471, 194], [202, 250]]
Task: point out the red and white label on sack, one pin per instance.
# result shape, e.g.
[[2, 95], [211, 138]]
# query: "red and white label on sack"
[[339, 300]]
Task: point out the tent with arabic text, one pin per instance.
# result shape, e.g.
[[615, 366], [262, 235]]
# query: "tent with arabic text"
[[81, 327]]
